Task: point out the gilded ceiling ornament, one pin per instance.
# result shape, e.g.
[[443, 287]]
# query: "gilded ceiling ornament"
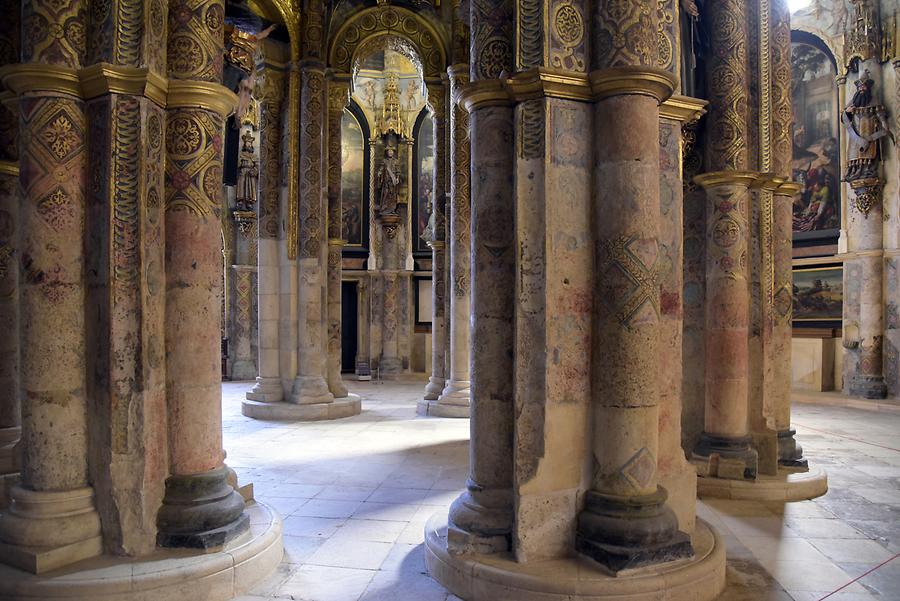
[[862, 41]]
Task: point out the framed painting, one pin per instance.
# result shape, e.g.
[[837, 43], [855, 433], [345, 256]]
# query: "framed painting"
[[816, 131], [423, 301], [818, 294]]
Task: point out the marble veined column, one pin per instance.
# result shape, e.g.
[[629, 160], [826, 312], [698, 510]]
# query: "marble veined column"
[[200, 508], [626, 521]]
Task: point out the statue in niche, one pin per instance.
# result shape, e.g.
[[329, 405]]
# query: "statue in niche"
[[387, 182], [866, 125], [248, 174]]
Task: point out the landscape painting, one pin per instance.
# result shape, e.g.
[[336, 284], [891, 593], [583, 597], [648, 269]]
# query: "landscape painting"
[[818, 293]]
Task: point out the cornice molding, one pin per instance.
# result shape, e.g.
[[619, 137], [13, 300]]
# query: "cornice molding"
[[9, 168], [729, 178], [683, 109], [102, 78], [582, 87]]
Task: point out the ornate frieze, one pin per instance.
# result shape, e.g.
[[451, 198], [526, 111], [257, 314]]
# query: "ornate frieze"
[[492, 35], [625, 34]]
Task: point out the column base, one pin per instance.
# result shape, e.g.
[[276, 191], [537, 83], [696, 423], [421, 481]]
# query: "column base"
[[434, 388], [473, 527], [867, 387], [266, 390], [456, 392], [624, 533], [723, 457], [310, 390], [165, 574], [477, 577], [439, 409], [43, 531], [348, 406], [790, 454], [336, 386], [390, 366], [200, 511], [787, 485], [243, 369]]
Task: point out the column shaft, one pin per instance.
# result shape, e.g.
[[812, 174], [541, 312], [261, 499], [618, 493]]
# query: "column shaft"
[[337, 99], [724, 448], [10, 413], [626, 522], [310, 385], [438, 378], [53, 506], [200, 508], [454, 400]]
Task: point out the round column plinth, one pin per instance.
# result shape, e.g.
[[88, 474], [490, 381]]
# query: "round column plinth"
[[266, 390], [788, 485], [348, 406], [490, 577], [439, 409], [165, 574], [434, 388]]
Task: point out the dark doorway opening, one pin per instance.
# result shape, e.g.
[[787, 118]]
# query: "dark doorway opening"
[[349, 325]]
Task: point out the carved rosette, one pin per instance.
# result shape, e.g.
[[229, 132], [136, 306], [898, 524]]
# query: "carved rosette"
[[312, 224], [727, 67]]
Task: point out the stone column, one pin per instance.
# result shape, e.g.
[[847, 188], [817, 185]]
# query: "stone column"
[[268, 387], [200, 508], [52, 520], [481, 519], [338, 94], [454, 400], [10, 415], [626, 522], [724, 449], [310, 386], [790, 454], [437, 243]]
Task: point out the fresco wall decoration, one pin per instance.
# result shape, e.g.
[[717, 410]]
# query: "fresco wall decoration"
[[818, 293], [816, 163], [424, 173], [353, 193]]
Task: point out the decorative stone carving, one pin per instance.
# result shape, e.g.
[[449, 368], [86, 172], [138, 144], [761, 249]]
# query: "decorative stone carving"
[[866, 123]]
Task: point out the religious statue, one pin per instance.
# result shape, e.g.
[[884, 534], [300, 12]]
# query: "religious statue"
[[693, 46], [248, 174], [387, 182], [866, 124]]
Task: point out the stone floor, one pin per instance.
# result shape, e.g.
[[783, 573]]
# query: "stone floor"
[[355, 494]]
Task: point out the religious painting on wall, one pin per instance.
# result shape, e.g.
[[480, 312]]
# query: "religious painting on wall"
[[816, 164], [424, 186], [352, 179], [818, 293]]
